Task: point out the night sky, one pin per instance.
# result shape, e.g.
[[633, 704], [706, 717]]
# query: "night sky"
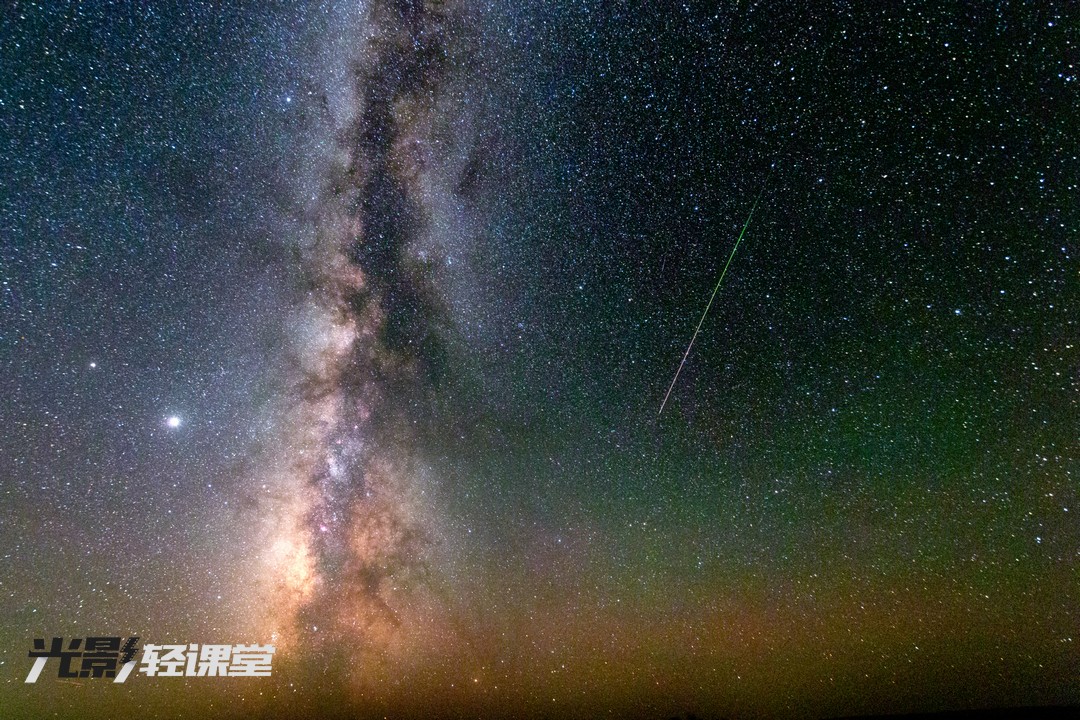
[[344, 326]]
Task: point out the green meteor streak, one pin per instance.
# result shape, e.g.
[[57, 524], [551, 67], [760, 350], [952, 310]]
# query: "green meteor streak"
[[711, 298]]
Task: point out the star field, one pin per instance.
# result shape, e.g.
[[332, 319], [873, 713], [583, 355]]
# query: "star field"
[[344, 326]]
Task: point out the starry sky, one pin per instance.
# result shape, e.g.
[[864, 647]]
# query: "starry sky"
[[344, 326]]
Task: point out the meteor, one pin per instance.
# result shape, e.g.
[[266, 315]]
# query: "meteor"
[[711, 298]]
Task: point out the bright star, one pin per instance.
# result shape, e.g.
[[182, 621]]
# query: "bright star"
[[173, 421]]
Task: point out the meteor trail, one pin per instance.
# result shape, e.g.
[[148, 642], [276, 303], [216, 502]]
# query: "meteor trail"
[[711, 298]]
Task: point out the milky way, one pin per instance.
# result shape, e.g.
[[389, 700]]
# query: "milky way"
[[355, 541], [343, 327]]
